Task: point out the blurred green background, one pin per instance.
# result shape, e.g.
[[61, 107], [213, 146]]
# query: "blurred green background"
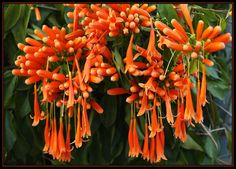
[[210, 143]]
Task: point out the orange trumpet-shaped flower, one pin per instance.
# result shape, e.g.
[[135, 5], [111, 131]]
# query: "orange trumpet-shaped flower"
[[131, 138], [144, 105], [154, 124], [160, 143], [37, 116], [203, 86], [151, 50], [137, 148], [46, 135], [78, 137], [152, 150], [189, 110], [117, 91], [184, 9], [67, 154], [169, 114], [199, 116], [145, 144], [70, 102], [61, 141], [55, 150], [129, 55], [180, 127], [85, 122], [37, 14]]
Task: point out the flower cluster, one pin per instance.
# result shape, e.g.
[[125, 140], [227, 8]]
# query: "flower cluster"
[[62, 66], [155, 85]]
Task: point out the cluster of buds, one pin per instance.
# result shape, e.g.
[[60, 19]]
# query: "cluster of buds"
[[112, 18]]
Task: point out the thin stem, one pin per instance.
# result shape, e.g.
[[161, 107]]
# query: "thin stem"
[[209, 134], [47, 7], [208, 9], [172, 54], [222, 108]]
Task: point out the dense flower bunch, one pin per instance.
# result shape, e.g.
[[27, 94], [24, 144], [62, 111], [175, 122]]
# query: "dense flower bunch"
[[62, 66], [156, 85]]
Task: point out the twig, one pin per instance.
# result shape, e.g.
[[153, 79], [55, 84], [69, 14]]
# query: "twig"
[[222, 108], [209, 134], [213, 10], [47, 7], [223, 162]]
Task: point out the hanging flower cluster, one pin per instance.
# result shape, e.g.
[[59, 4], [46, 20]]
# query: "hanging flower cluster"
[[155, 85], [62, 66]]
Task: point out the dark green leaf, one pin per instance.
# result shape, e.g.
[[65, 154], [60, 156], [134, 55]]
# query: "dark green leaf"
[[191, 144], [212, 72], [9, 88], [210, 148], [9, 131], [109, 104], [22, 103], [11, 16], [217, 88], [223, 24], [10, 53], [19, 30], [167, 10]]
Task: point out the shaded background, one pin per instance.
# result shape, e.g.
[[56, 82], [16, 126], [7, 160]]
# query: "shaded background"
[[208, 144]]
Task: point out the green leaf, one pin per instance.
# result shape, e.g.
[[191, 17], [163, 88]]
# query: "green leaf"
[[11, 16], [167, 11], [223, 24], [22, 105], [9, 131], [210, 148], [109, 104], [217, 88], [52, 20], [193, 66], [10, 53], [9, 88], [19, 30], [212, 72], [229, 140], [118, 60], [182, 159], [191, 144]]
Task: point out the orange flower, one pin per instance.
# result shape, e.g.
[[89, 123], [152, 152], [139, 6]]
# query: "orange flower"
[[61, 141], [144, 105], [131, 138], [145, 144], [46, 135], [160, 143], [137, 148], [184, 9], [78, 137], [37, 116], [199, 116], [180, 128], [169, 114], [203, 87], [189, 110], [129, 56], [154, 124], [152, 150], [37, 14]]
